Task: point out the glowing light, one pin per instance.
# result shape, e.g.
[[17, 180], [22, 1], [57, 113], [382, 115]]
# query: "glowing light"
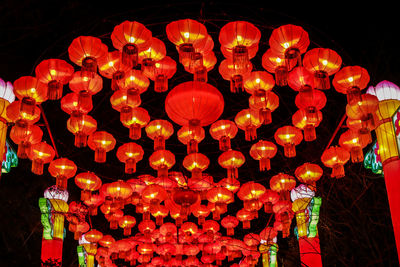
[[53, 72], [132, 78], [258, 80], [324, 62], [278, 60], [33, 90], [132, 39], [186, 35], [286, 45], [111, 63], [239, 38], [350, 79]]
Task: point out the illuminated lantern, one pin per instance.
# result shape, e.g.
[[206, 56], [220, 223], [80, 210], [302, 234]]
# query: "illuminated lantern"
[[223, 131], [274, 63], [263, 151], [32, 135], [350, 80], [54, 73], [257, 83], [134, 83], [248, 120], [311, 102], [162, 160], [190, 139], [301, 121], [31, 92], [85, 51], [221, 197], [245, 217], [79, 229], [93, 202], [231, 160], [290, 41], [265, 104], [167, 182], [200, 211], [302, 81], [210, 227], [363, 130], [71, 105], [87, 182], [335, 157], [159, 212], [269, 198], [138, 118], [40, 154], [159, 131], [229, 223], [168, 230], [201, 184], [106, 241], [231, 184], [163, 70], [146, 227], [153, 194], [282, 183], [350, 140], [230, 73], [364, 109], [85, 86], [237, 37], [309, 174], [250, 193], [62, 169], [189, 230], [288, 137], [131, 37], [127, 222], [157, 51], [196, 163], [185, 34], [111, 67], [81, 127], [194, 104], [283, 216], [101, 142], [130, 154], [21, 120], [322, 62], [200, 65]]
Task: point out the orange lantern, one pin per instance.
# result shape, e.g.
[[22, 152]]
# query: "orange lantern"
[[131, 37], [269, 198], [201, 64], [364, 109], [221, 197], [229, 223], [301, 121], [236, 37], [55, 73], [85, 86], [265, 104], [85, 51], [309, 174], [311, 102], [196, 163], [248, 120], [146, 227], [138, 118], [190, 139], [322, 62], [245, 217], [111, 67], [162, 160], [62, 169], [101, 142], [257, 83], [230, 73], [231, 160], [93, 202], [288, 137], [26, 139], [350, 140], [231, 184], [21, 120], [335, 157], [118, 191], [70, 104], [274, 63], [223, 131], [364, 130], [163, 70], [200, 211], [159, 212], [159, 131], [350, 80], [263, 151], [40, 154], [130, 154], [106, 241], [157, 51], [134, 83], [113, 217], [301, 80], [289, 41], [81, 127], [127, 222], [154, 194], [250, 193], [93, 236], [87, 182], [31, 92], [282, 183]]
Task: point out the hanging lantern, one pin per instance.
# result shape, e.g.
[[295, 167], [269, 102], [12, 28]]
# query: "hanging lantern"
[[131, 37], [265, 104], [127, 222], [31, 92], [309, 174], [363, 130], [200, 65], [269, 198], [81, 127], [273, 63], [288, 137], [201, 184], [230, 73], [196, 163], [185, 198], [245, 217], [134, 83], [257, 83], [364, 109], [231, 160], [302, 122], [263, 151], [71, 105], [147, 58], [200, 211], [26, 139], [163, 70], [322, 62], [87, 182], [229, 223], [190, 139], [62, 169], [40, 154], [130, 154], [311, 102], [85, 86], [159, 131], [301, 80], [101, 142], [248, 120], [250, 193], [335, 157], [111, 67], [282, 183], [350, 140], [223, 131], [162, 160], [21, 120], [138, 118], [221, 197], [350, 80]]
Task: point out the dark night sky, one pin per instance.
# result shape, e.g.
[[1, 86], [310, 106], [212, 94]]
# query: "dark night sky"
[[355, 225]]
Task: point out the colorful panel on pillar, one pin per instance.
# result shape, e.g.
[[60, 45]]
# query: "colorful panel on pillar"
[[396, 125], [310, 252], [372, 160], [10, 159]]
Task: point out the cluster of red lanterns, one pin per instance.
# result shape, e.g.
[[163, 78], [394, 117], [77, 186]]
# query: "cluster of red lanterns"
[[138, 60]]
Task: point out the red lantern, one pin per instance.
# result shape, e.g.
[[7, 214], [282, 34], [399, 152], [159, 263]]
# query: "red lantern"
[[139, 118], [200, 65], [134, 83], [185, 198], [93, 236], [200, 211], [309, 174], [364, 109], [301, 121], [101, 142], [31, 92], [127, 222], [231, 160], [273, 63], [159, 131], [157, 51], [250, 193], [87, 182], [269, 198], [201, 184], [335, 157], [85, 86], [196, 163], [62, 169], [350, 140], [258, 83], [163, 70], [130, 154], [288, 137], [111, 67], [32, 135], [282, 183], [223, 131], [70, 104], [21, 120], [350, 80], [229, 223], [301, 80], [322, 62], [245, 217], [221, 197], [190, 139], [162, 160], [311, 102], [146, 227], [230, 73], [265, 104], [40, 154], [248, 120], [131, 37], [81, 127], [363, 129], [231, 184], [263, 151]]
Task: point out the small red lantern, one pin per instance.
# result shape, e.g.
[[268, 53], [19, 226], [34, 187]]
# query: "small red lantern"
[[350, 80], [263, 151], [62, 169], [196, 163], [101, 142], [81, 127], [159, 131], [273, 63], [282, 183], [301, 121], [229, 223], [190, 139], [111, 67], [40, 154], [163, 70], [137, 119], [248, 120], [87, 182], [127, 222], [130, 154], [350, 140], [335, 157], [258, 83], [288, 137], [231, 160], [265, 104], [31, 92], [25, 139], [309, 174], [235, 76], [223, 131], [162, 160]]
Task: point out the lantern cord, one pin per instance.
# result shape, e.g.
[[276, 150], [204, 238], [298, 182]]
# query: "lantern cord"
[[48, 130], [336, 131]]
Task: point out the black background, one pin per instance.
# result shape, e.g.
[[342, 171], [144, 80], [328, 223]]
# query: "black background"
[[355, 225]]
